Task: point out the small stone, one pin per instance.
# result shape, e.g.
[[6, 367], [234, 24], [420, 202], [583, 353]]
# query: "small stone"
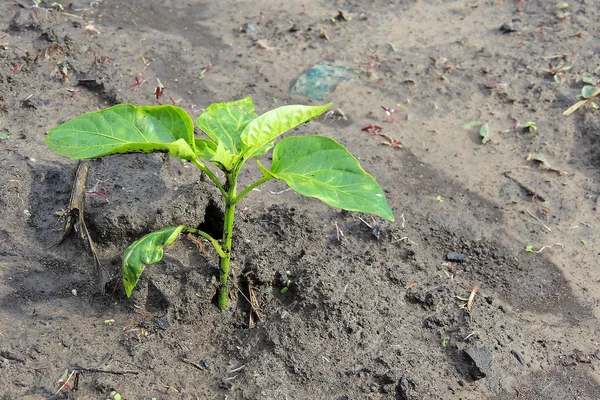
[[74, 292], [455, 257], [377, 230], [513, 26], [249, 28], [163, 323], [479, 361], [518, 356]]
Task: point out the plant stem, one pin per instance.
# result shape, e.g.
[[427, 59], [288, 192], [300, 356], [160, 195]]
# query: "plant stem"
[[206, 236], [225, 262], [250, 187], [211, 175]]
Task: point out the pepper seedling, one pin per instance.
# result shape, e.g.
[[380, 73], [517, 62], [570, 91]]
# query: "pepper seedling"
[[312, 165]]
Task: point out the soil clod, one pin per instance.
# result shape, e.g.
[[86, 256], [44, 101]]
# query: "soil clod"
[[479, 362]]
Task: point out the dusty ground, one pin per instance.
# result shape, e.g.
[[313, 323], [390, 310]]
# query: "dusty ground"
[[364, 318]]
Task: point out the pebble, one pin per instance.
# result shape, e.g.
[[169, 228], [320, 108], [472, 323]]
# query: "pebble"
[[513, 26], [456, 257]]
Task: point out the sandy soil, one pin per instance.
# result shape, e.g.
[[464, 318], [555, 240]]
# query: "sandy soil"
[[364, 317]]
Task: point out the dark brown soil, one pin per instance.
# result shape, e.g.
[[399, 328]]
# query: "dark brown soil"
[[364, 316]]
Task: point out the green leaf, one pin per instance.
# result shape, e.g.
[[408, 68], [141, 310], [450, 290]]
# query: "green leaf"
[[145, 251], [125, 128], [591, 80], [224, 157], [484, 132], [224, 122], [471, 124], [260, 134], [588, 91], [205, 148], [557, 78], [317, 166], [531, 125]]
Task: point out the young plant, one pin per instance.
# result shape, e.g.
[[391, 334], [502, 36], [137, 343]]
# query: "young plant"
[[312, 165], [588, 93], [557, 71]]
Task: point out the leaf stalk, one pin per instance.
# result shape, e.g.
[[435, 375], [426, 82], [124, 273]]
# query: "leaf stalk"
[[211, 175], [250, 187]]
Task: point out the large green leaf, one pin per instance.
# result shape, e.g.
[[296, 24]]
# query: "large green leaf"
[[224, 122], [125, 128], [260, 134], [145, 251], [317, 166]]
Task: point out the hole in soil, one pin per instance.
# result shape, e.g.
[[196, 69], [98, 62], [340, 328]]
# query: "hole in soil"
[[213, 220]]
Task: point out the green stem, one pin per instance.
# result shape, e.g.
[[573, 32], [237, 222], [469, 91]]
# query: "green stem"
[[250, 187], [211, 175], [225, 262], [206, 236]]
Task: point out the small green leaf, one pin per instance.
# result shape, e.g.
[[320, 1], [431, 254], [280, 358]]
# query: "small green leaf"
[[145, 251], [471, 124], [4, 136], [588, 91], [205, 148], [224, 157], [531, 125], [125, 128], [317, 166], [224, 122], [484, 132], [260, 134], [557, 78], [529, 248], [591, 80]]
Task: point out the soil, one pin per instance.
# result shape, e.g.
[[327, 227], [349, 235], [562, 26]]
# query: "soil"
[[360, 315]]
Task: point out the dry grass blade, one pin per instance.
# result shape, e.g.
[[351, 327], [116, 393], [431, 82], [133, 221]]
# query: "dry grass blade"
[[581, 103], [75, 214], [254, 307], [471, 298]]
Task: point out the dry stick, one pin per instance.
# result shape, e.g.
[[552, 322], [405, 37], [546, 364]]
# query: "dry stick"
[[539, 220], [254, 306], [339, 231], [471, 298], [185, 360], [280, 192], [76, 213], [469, 335], [108, 371], [365, 222], [238, 369], [65, 383], [523, 186]]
